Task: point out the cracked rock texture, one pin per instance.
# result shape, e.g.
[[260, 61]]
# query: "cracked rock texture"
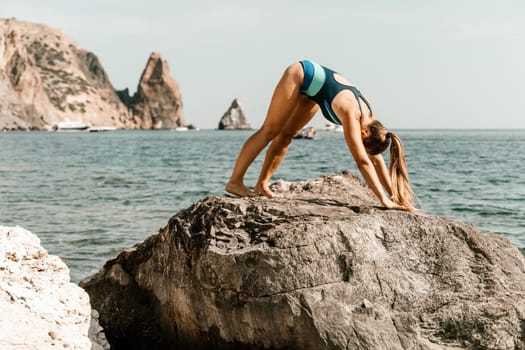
[[321, 268], [39, 307]]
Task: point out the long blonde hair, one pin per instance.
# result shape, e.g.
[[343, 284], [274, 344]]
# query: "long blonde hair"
[[377, 142]]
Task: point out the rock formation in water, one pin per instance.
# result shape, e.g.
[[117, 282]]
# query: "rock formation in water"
[[321, 268], [45, 78], [157, 102], [234, 118], [39, 307]]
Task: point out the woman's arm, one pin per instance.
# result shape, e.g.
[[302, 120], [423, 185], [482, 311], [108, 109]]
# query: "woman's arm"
[[352, 132], [382, 171]]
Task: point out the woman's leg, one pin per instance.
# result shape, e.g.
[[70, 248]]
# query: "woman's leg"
[[285, 98], [303, 112]]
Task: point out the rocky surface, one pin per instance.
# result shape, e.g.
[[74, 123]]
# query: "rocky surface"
[[39, 307], [321, 268], [234, 118], [157, 102], [45, 78]]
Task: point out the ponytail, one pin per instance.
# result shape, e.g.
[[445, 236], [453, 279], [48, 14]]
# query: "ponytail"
[[401, 192]]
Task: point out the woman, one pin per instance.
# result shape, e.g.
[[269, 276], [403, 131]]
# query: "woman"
[[304, 88]]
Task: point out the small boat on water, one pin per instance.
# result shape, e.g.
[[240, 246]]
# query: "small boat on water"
[[71, 125], [186, 128], [101, 128], [308, 133]]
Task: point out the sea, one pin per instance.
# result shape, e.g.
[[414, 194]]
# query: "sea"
[[88, 196]]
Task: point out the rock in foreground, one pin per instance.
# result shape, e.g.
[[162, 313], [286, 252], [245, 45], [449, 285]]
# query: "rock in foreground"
[[321, 268], [39, 307]]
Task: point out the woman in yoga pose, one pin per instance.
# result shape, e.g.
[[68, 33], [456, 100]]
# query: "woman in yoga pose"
[[304, 88]]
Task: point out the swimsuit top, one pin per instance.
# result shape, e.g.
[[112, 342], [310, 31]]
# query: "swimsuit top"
[[321, 86]]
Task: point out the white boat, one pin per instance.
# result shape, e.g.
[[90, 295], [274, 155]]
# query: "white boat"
[[308, 133], [71, 125], [181, 128], [101, 128]]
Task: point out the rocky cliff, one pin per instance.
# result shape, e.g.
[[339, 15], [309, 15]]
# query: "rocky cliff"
[[39, 307], [157, 102], [45, 78], [234, 118], [321, 268]]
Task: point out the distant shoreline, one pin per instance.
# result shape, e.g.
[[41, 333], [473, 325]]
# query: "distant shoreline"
[[319, 130]]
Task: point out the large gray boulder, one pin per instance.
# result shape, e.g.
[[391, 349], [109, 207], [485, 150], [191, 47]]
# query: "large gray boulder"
[[323, 267], [39, 307]]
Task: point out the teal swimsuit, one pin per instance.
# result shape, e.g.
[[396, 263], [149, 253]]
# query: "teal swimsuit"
[[320, 85]]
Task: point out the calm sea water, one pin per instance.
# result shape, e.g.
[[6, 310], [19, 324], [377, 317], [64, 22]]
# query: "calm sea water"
[[89, 195]]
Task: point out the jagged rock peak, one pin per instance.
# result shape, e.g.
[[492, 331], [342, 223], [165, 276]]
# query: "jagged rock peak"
[[45, 78], [323, 267], [234, 118], [157, 102]]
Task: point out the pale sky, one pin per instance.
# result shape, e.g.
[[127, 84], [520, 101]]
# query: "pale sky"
[[423, 64]]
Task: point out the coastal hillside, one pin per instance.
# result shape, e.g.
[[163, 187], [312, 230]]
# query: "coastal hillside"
[[45, 78]]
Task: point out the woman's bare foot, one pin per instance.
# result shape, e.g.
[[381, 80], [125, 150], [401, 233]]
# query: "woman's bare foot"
[[263, 190], [239, 190]]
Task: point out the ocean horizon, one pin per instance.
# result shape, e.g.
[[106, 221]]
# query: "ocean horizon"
[[90, 195]]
